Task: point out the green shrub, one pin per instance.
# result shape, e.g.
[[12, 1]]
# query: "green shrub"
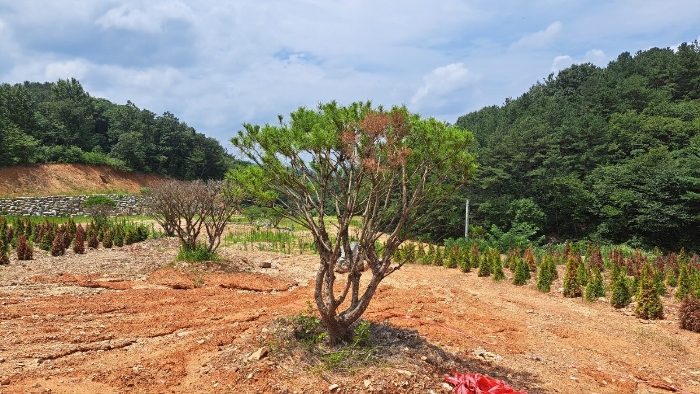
[[107, 241], [582, 274], [522, 273], [620, 296], [683, 283], [199, 253], [46, 239], [4, 255], [498, 273], [452, 256], [595, 287], [97, 200], [545, 277], [437, 257], [649, 304], [485, 265]]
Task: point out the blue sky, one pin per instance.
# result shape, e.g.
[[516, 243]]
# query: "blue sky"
[[218, 64]]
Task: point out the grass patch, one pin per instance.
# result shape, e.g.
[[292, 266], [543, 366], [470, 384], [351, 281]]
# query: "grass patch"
[[200, 253], [304, 335], [270, 239]]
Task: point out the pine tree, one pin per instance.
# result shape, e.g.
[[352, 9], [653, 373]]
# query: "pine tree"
[[475, 256], [513, 258], [451, 260], [689, 314], [465, 260], [595, 287], [649, 304], [522, 271], [47, 238], [420, 254], [107, 243], [485, 265], [620, 297], [24, 249], [4, 255], [582, 274], [92, 241], [65, 236], [545, 278], [498, 273], [437, 258], [683, 283], [530, 259], [572, 286], [57, 248], [79, 243]]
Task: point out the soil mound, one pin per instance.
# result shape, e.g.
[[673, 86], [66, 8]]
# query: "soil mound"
[[68, 179]]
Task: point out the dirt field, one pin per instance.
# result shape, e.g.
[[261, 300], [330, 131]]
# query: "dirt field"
[[125, 320]]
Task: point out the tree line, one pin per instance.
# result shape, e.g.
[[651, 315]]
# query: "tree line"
[[606, 154], [61, 122]]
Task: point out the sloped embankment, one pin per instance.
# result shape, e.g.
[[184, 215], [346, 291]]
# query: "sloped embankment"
[[62, 179]]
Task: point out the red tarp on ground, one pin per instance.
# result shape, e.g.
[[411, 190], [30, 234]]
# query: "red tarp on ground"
[[475, 383]]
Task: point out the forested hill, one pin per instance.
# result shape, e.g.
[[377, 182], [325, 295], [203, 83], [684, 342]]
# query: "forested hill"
[[61, 123], [609, 154]]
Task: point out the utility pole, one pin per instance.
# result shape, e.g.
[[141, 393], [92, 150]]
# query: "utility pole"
[[466, 222]]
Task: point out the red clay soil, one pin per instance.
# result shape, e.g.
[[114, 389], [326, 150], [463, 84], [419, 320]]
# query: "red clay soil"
[[58, 179], [127, 320]]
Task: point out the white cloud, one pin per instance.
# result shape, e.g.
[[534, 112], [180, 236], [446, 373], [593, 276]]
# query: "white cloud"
[[148, 18], [66, 69], [443, 80], [595, 56], [541, 39], [561, 62]]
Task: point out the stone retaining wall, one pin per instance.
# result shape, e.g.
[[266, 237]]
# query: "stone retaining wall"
[[127, 204]]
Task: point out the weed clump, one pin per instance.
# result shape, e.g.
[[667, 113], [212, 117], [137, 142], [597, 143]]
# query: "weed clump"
[[199, 253]]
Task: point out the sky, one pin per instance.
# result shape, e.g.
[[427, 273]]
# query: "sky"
[[217, 64]]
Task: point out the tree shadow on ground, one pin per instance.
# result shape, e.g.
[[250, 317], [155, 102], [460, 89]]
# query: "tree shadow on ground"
[[400, 346]]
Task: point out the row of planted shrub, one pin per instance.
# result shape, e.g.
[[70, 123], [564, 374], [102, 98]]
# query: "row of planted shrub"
[[621, 275], [23, 234]]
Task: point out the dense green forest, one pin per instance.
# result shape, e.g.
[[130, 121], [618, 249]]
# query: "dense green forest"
[[61, 123], [606, 154]]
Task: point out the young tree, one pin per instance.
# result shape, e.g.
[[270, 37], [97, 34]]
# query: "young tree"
[[391, 168], [24, 249], [649, 304], [186, 208]]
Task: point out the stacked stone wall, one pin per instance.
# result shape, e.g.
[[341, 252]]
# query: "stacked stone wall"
[[127, 204]]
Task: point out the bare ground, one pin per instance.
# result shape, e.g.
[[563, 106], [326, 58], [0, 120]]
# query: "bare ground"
[[129, 320], [57, 179]]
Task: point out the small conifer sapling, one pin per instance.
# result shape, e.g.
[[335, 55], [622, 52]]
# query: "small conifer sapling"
[[649, 304]]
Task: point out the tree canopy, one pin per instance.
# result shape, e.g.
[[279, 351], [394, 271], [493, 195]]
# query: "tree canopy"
[[609, 154], [387, 170], [61, 122]]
